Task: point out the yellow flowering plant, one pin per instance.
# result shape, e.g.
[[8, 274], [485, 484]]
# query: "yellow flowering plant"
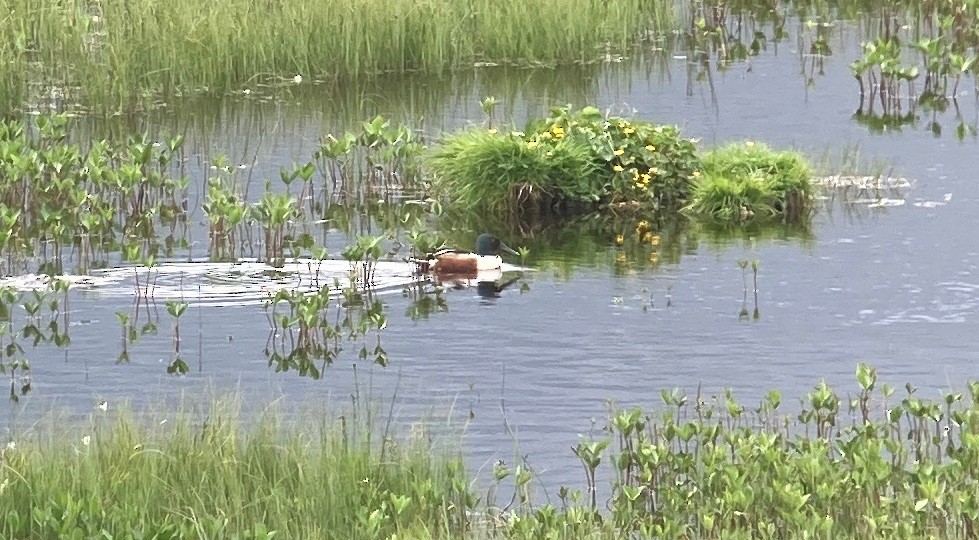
[[645, 163]]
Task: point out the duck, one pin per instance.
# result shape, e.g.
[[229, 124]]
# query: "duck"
[[451, 261]]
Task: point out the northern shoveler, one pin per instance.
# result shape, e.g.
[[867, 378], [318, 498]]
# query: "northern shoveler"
[[453, 261]]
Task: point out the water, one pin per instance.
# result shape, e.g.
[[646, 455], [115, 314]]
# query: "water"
[[526, 373]]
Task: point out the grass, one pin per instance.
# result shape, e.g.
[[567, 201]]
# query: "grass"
[[580, 159], [584, 156], [748, 181], [188, 476], [481, 169], [874, 463], [115, 53]]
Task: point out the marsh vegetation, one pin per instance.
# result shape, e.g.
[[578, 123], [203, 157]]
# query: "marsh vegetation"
[[577, 161], [878, 464], [121, 55], [164, 230]]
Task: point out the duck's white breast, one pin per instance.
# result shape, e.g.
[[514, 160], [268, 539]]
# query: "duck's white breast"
[[488, 262]]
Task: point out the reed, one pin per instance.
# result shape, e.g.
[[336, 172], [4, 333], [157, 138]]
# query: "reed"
[[123, 51]]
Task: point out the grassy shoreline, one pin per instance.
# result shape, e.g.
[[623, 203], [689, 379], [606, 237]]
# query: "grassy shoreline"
[[116, 53], [878, 464], [211, 475]]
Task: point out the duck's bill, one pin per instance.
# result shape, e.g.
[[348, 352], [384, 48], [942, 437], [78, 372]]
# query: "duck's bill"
[[508, 249]]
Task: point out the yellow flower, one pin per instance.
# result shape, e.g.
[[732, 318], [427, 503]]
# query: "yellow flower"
[[491, 131], [654, 257], [696, 174], [532, 144], [516, 134], [617, 168], [647, 237], [619, 239], [650, 147], [619, 152], [654, 240], [646, 178], [654, 170], [545, 135], [642, 225], [749, 143], [628, 131]]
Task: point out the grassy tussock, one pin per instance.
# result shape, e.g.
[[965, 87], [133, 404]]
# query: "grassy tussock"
[[128, 48], [579, 158], [481, 170], [126, 478], [748, 181]]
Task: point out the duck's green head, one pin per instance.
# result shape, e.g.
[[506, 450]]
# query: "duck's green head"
[[487, 244]]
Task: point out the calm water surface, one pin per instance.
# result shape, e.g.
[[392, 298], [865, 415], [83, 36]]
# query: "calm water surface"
[[528, 372]]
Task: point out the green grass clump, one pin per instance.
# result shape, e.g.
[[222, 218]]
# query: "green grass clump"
[[483, 169], [192, 477], [749, 181], [571, 156]]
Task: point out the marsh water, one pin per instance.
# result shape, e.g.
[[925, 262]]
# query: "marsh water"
[[524, 374]]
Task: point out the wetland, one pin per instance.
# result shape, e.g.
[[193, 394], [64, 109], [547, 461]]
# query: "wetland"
[[183, 235]]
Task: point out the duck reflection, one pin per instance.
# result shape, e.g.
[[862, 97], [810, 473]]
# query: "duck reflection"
[[488, 283]]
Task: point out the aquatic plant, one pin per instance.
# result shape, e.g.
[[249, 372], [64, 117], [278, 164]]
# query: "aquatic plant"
[[648, 164], [57, 196], [311, 331], [748, 181], [756, 313], [425, 300], [176, 310], [273, 212], [225, 210], [363, 166], [363, 255], [46, 311], [884, 71], [873, 465]]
